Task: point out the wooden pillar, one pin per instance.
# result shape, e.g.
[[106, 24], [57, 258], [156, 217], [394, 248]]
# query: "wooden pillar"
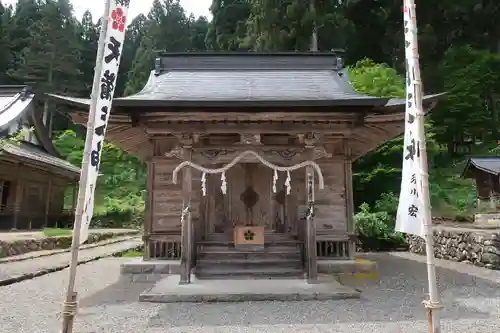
[[312, 266], [186, 227], [47, 202], [148, 211], [19, 197], [349, 198]]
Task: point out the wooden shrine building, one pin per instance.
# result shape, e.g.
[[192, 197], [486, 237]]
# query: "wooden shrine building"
[[33, 177], [257, 112], [486, 172]]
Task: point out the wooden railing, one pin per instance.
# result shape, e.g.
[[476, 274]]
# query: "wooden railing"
[[334, 245], [162, 247], [328, 249]]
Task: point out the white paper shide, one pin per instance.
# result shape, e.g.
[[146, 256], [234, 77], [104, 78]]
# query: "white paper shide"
[[113, 47], [410, 215]]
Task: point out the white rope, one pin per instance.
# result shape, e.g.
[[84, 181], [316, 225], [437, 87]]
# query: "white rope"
[[275, 180], [185, 212], [204, 184], [288, 183], [228, 166]]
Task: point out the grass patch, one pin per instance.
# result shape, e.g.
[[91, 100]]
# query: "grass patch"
[[56, 232], [133, 254]]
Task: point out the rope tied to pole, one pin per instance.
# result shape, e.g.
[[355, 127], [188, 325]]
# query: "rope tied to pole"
[[69, 309], [428, 304]]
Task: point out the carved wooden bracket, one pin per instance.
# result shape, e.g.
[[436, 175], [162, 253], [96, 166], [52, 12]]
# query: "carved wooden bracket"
[[249, 139], [186, 140], [309, 139], [176, 152]]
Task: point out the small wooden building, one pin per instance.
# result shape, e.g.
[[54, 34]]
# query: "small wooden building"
[[280, 108], [486, 172], [33, 178]]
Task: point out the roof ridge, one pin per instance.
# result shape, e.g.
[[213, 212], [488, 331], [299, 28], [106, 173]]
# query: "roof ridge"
[[248, 61], [14, 99]]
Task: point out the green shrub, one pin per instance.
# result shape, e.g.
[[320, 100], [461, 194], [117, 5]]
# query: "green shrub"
[[376, 229]]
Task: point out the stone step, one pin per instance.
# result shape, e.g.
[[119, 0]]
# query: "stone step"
[[222, 273]]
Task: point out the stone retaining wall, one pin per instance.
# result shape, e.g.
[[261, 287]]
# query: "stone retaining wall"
[[23, 246], [480, 248]]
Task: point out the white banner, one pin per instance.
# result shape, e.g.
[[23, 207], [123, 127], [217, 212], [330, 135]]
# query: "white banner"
[[115, 36], [410, 215]]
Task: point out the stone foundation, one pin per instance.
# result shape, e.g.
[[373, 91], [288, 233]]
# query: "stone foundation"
[[477, 247], [139, 270]]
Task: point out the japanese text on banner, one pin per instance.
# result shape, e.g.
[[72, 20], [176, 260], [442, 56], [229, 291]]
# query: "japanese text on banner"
[[115, 37], [410, 215]]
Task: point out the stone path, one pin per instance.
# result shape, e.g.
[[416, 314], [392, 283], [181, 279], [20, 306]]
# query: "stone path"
[[10, 236], [11, 272], [390, 305], [45, 253]]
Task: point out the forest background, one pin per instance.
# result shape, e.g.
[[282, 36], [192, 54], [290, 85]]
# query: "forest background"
[[44, 45]]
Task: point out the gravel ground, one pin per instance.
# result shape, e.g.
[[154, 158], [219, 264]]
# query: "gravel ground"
[[31, 266], [390, 305]]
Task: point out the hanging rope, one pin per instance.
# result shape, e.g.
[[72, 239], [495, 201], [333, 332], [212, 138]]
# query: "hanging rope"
[[238, 158]]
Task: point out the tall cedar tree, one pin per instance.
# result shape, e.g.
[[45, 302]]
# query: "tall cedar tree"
[[228, 27], [167, 29], [89, 35], [5, 16], [52, 59]]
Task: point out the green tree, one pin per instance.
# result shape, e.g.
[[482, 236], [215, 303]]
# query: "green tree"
[[470, 111], [228, 27], [122, 184], [168, 29], [52, 59], [5, 17], [284, 25], [89, 35], [133, 38], [379, 171], [198, 31], [18, 31]]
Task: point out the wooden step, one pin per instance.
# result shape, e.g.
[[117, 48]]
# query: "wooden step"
[[271, 255], [223, 273], [247, 262]]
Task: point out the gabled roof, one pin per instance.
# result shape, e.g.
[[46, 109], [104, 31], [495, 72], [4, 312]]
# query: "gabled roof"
[[488, 164], [249, 79], [17, 102], [14, 102], [32, 152]]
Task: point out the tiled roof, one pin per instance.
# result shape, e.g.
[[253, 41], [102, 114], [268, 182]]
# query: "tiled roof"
[[489, 164], [29, 151], [249, 79], [14, 102]]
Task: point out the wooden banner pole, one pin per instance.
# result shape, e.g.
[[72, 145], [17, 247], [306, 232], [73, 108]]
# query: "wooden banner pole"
[[70, 305], [432, 304]]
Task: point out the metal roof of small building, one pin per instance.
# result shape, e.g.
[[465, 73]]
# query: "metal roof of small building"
[[489, 164], [249, 79]]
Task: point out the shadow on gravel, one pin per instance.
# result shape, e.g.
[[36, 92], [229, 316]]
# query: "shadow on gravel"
[[396, 296], [123, 291]]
